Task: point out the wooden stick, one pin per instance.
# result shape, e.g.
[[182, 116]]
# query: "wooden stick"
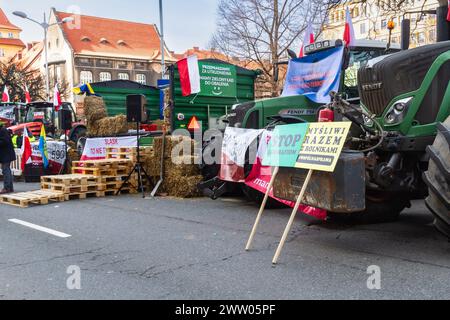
[[293, 215], [261, 210]]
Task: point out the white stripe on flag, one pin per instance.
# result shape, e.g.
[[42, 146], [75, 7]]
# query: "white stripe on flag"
[[194, 74]]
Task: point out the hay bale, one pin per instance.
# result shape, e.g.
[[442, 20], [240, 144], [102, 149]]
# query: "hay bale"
[[183, 187], [94, 109], [110, 126], [181, 143]]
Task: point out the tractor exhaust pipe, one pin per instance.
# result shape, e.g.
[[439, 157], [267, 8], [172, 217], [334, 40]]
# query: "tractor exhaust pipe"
[[406, 34], [442, 25]]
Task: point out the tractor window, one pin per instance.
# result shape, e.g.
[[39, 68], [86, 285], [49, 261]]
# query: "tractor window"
[[358, 59], [35, 114], [253, 120], [431, 104]]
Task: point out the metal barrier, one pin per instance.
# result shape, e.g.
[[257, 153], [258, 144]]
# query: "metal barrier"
[[16, 166]]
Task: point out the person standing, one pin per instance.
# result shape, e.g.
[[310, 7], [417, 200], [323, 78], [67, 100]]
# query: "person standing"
[[7, 155]]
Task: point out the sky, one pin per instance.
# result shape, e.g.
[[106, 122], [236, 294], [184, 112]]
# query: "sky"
[[187, 23]]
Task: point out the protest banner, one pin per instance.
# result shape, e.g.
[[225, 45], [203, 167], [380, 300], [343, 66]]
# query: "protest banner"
[[320, 151], [262, 176], [236, 142], [315, 76], [95, 149]]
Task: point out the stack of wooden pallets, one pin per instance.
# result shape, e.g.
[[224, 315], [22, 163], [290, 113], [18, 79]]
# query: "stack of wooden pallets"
[[128, 153], [75, 186], [93, 178], [25, 199]]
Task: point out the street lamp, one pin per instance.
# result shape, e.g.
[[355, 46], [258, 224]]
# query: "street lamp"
[[45, 25]]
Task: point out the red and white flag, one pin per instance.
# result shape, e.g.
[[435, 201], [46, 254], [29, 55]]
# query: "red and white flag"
[[448, 13], [189, 75], [57, 98], [27, 95], [309, 39], [349, 33], [26, 149], [5, 95]]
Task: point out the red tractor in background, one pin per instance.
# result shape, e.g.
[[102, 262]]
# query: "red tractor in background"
[[43, 113], [12, 113]]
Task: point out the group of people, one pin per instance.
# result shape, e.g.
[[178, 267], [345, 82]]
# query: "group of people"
[[7, 155]]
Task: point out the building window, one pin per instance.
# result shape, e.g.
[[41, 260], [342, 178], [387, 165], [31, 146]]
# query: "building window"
[[383, 24], [11, 35], [141, 78], [2, 53], [58, 74], [105, 76], [1, 35], [362, 28], [57, 42], [85, 77], [124, 76]]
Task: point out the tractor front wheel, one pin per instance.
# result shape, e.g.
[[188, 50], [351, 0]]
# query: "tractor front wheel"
[[438, 178]]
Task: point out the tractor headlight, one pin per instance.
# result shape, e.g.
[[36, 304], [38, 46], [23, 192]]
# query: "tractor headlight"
[[398, 111]]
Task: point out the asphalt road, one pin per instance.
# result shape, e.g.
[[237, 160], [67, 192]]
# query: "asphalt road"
[[130, 248]]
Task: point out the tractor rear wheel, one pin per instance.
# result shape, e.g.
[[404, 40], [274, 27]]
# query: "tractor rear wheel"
[[438, 178]]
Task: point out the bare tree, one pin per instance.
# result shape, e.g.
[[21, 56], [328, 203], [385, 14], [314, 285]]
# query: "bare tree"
[[261, 31]]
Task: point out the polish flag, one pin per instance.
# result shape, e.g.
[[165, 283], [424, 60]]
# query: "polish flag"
[[349, 33], [448, 13], [5, 95], [26, 149], [189, 75], [27, 95], [57, 99], [309, 39]]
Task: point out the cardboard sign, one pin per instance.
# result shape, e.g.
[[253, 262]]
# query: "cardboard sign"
[[285, 144], [323, 146]]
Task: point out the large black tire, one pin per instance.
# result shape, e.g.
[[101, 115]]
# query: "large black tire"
[[438, 178], [382, 209]]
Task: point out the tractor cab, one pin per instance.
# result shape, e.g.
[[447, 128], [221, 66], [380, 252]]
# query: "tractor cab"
[[12, 113]]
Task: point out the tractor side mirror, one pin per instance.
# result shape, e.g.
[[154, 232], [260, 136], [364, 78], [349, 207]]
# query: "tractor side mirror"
[[406, 34]]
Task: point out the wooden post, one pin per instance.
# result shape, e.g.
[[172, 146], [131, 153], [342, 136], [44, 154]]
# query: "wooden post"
[[293, 215], [261, 210]]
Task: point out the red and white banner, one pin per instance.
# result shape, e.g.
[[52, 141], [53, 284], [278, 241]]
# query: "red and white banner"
[[349, 33], [95, 149], [236, 142], [189, 75], [448, 13], [56, 156], [5, 95], [57, 102], [27, 95], [260, 176], [309, 39], [26, 150]]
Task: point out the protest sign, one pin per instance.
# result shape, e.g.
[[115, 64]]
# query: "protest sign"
[[323, 145], [95, 149]]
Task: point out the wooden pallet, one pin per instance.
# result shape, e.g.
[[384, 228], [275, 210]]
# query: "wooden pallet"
[[72, 188], [25, 199], [105, 164], [99, 172], [71, 180], [84, 195]]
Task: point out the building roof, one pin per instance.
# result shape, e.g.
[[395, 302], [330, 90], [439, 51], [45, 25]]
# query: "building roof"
[[5, 23], [113, 38], [31, 55], [12, 42], [203, 54]]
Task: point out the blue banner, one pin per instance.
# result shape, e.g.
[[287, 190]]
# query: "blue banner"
[[315, 76]]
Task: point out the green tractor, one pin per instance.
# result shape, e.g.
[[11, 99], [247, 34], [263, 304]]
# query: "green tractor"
[[399, 146], [287, 109]]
